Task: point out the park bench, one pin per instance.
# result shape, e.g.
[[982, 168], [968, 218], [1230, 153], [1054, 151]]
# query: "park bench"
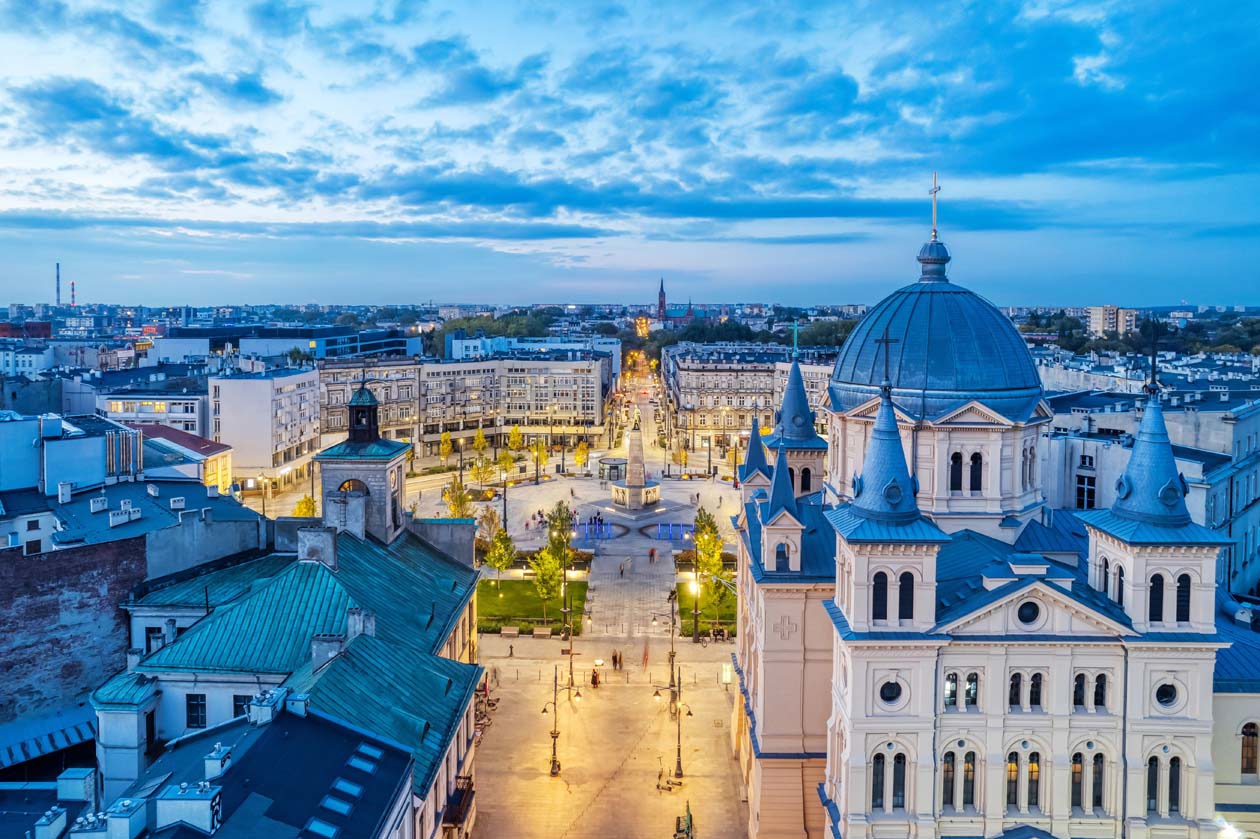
[[510, 632], [542, 631]]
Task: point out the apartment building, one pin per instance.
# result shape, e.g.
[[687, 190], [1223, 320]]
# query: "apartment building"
[[1107, 319], [271, 420]]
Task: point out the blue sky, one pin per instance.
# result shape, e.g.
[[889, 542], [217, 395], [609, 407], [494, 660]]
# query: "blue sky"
[[407, 150]]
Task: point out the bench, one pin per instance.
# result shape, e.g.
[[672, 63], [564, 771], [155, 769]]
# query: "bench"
[[542, 631], [510, 632]]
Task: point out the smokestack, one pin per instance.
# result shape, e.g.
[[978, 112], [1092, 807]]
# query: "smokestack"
[[58, 283], [72, 294]]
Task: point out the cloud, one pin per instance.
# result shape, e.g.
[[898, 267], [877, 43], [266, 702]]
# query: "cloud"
[[246, 89], [464, 80], [279, 18], [181, 13]]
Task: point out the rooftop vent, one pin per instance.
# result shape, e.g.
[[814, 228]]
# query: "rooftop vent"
[[98, 504], [177, 503], [152, 490], [64, 490]]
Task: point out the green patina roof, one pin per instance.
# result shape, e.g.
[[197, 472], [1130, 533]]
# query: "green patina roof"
[[125, 690], [219, 587], [363, 396], [375, 450]]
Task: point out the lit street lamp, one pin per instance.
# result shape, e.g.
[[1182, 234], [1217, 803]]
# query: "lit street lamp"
[[554, 705]]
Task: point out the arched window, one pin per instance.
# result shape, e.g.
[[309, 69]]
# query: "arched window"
[[1106, 577], [1012, 780], [1183, 598], [1017, 690], [1023, 470], [1078, 772], [1155, 612], [877, 783], [1174, 786], [977, 472], [1100, 693], [1034, 779], [973, 689], [955, 472], [792, 476], [905, 596], [951, 690], [1078, 691], [969, 780], [899, 782], [947, 781], [879, 597], [1249, 742], [1096, 799], [1034, 691], [1120, 585], [1152, 784], [806, 480], [781, 561], [1032, 467], [353, 485]]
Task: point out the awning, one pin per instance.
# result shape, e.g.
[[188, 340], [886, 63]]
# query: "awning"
[[31, 737]]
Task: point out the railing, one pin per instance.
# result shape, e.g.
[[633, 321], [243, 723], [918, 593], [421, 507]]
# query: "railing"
[[459, 803]]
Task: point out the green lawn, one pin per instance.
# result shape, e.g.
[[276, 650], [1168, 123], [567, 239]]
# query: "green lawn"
[[723, 612], [517, 602]]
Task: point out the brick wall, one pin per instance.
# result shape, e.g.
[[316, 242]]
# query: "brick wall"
[[63, 631]]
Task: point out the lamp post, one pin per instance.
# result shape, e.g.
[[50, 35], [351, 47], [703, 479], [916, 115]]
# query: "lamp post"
[[505, 518], [675, 686], [678, 770], [695, 601], [554, 704]]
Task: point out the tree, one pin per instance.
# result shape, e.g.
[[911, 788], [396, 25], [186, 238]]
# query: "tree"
[[506, 462], [444, 446], [305, 508], [581, 454], [680, 457], [458, 500], [709, 556], [516, 441], [548, 575], [411, 456], [502, 552], [559, 535], [538, 453], [482, 471], [480, 443], [489, 524]]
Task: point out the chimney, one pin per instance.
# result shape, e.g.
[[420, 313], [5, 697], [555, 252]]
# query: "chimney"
[[170, 634], [359, 622], [266, 706], [52, 824], [133, 658], [318, 544], [212, 492], [198, 806], [126, 818], [64, 489], [325, 646], [218, 761]]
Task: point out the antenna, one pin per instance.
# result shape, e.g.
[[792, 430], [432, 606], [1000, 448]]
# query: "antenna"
[[58, 284], [932, 192]]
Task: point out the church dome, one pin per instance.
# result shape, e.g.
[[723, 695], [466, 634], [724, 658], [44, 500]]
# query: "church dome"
[[949, 347]]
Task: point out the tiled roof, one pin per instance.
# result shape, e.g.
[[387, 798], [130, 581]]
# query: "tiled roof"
[[184, 439]]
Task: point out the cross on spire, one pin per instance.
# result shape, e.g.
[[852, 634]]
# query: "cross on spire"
[[887, 343], [1152, 385], [932, 192]]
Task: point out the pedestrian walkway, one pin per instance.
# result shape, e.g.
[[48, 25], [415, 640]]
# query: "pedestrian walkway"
[[626, 589]]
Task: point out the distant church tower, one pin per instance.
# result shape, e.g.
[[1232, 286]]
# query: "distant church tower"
[[660, 301]]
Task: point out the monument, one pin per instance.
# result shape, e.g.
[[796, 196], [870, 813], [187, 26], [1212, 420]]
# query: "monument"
[[636, 492]]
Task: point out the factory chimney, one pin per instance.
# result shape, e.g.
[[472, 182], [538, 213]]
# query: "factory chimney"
[[72, 294], [58, 283]]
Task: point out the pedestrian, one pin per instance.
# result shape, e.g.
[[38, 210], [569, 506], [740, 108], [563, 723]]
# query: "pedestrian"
[[511, 650], [621, 570]]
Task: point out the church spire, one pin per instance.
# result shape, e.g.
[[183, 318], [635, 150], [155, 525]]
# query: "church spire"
[[755, 457], [795, 420], [782, 496], [885, 491]]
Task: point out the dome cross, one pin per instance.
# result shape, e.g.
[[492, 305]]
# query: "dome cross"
[[932, 192]]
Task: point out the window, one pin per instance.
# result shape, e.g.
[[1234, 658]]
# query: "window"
[[951, 690], [1017, 690], [1174, 786], [947, 781], [1034, 691], [1012, 780], [1100, 693], [877, 783], [1120, 585], [905, 596], [1249, 737], [240, 704], [969, 780], [1078, 691], [1096, 799], [195, 710], [1155, 612], [955, 472], [1152, 784], [1034, 779], [879, 597], [1106, 577], [806, 481], [781, 562], [32, 524], [1078, 768], [1087, 461], [899, 782], [977, 472], [1183, 598], [889, 692], [973, 689]]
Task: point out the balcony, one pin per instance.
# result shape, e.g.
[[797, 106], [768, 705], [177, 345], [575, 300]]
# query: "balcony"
[[459, 803]]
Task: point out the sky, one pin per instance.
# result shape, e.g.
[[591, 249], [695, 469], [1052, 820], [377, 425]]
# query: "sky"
[[402, 151]]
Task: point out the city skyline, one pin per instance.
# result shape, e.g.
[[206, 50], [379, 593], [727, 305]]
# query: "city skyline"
[[193, 153]]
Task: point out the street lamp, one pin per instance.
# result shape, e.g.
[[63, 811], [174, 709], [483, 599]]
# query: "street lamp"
[[695, 600], [554, 705]]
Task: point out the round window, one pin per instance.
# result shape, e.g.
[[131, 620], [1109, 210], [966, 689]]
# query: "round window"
[[1166, 695], [1028, 612], [889, 692]]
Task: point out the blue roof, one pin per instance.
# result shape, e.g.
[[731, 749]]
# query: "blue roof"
[[755, 459], [1146, 533], [818, 544], [1236, 670], [794, 421], [854, 527], [1062, 533], [953, 347], [885, 491], [1151, 490], [782, 494]]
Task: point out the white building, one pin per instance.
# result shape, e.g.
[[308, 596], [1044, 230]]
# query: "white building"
[[271, 421]]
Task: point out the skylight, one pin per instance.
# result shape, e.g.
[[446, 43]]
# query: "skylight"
[[337, 805], [321, 828], [350, 788]]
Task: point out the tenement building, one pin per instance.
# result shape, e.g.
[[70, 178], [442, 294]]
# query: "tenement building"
[[927, 649]]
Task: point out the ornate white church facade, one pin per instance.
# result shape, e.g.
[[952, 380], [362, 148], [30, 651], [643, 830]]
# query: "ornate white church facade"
[[926, 650]]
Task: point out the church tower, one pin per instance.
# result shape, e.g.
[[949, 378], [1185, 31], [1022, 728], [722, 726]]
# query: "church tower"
[[362, 479], [754, 472], [660, 301], [794, 435]]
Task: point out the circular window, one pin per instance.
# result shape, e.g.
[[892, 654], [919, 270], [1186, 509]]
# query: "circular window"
[[889, 692], [1028, 612], [1166, 695]]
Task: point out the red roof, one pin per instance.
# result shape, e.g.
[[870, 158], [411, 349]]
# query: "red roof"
[[192, 442]]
